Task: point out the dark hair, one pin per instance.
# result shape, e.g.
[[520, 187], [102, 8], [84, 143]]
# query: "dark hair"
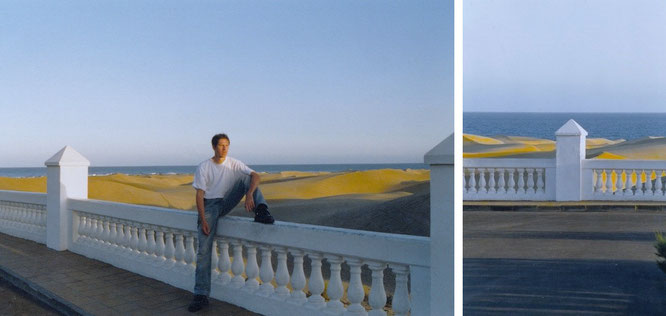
[[217, 137]]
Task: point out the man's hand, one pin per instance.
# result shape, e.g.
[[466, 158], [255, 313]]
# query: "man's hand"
[[249, 203], [204, 227], [249, 196]]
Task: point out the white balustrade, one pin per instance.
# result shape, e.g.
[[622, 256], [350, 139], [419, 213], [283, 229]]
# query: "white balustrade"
[[23, 215], [637, 180], [506, 179], [162, 247]]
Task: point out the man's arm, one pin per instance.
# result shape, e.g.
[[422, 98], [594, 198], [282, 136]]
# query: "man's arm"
[[200, 209], [254, 184]]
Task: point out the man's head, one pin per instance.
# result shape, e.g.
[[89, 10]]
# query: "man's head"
[[220, 144]]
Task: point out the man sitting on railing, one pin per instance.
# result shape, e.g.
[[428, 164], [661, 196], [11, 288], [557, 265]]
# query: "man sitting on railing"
[[221, 182]]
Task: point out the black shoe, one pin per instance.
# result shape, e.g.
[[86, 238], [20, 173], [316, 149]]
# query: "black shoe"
[[261, 215], [199, 302]]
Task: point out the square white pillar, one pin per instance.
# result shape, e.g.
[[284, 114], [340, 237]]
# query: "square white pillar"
[[442, 227], [67, 177], [569, 156]]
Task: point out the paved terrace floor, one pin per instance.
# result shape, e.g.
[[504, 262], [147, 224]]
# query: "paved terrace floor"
[[75, 284], [562, 262]]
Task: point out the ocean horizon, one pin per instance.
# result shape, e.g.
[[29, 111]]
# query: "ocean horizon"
[[31, 172], [613, 126]]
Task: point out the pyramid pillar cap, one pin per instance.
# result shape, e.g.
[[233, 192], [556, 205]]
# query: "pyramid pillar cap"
[[67, 156], [442, 154], [571, 128]]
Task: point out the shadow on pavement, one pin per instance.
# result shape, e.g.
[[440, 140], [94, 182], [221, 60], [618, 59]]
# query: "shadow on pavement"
[[559, 287]]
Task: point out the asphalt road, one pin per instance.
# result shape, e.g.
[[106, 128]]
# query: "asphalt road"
[[562, 263]]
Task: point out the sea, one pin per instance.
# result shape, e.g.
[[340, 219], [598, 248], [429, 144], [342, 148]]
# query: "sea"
[[626, 126], [154, 170]]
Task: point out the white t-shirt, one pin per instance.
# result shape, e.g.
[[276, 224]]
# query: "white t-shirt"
[[216, 180]]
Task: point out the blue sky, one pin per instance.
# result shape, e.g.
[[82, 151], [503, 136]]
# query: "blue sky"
[[149, 83], [564, 56]]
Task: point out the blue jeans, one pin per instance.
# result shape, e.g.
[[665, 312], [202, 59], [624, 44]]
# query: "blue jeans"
[[213, 210]]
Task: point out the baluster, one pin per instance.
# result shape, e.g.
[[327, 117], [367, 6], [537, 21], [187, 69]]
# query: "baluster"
[[335, 290], [106, 232], [113, 236], [639, 182], [223, 262], [298, 278], [282, 274], [31, 219], [491, 181], [251, 268], [169, 250], [83, 226], [377, 297], [151, 244], [160, 248], [511, 185], [465, 189], [521, 181], [609, 182], [530, 181], [21, 218], [600, 181], [180, 251], [648, 182], [654, 189], [97, 230], [90, 231], [121, 237], [266, 272], [143, 241], [316, 282], [501, 184], [126, 238], [657, 183], [106, 235], [82, 229], [214, 260], [190, 254], [482, 181], [472, 181], [627, 183], [237, 266], [134, 241], [401, 303], [618, 182], [355, 292]]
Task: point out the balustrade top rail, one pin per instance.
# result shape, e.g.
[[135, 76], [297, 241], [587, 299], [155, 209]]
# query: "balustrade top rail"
[[508, 163], [623, 164], [23, 197], [403, 249]]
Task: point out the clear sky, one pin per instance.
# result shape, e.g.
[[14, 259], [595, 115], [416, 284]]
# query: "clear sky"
[[150, 82], [564, 55]]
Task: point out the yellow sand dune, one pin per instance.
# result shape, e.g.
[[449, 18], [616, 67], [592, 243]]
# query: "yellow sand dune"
[[607, 155], [175, 191], [475, 146]]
